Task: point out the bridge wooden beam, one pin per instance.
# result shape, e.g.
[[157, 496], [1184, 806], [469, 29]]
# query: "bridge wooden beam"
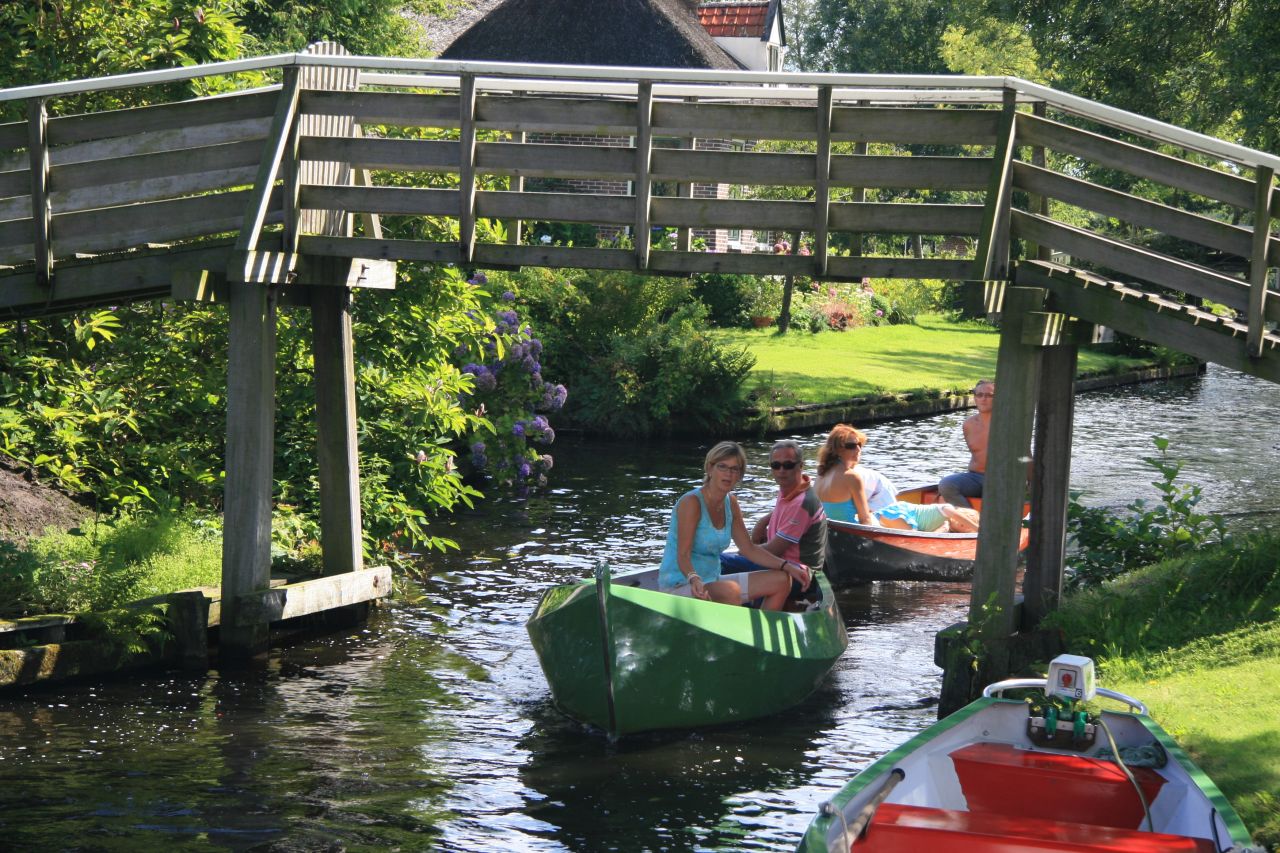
[[1145, 316], [1048, 329], [996, 564], [643, 181], [278, 139], [1050, 482], [467, 167], [41, 211], [822, 183], [1258, 262], [992, 258]]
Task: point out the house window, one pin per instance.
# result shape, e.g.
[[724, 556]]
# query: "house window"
[[775, 57]]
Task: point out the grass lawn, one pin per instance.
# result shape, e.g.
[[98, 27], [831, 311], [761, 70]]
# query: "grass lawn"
[[1225, 717], [936, 355], [1198, 639]]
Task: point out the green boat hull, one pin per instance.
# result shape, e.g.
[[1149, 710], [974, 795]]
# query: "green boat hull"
[[670, 662]]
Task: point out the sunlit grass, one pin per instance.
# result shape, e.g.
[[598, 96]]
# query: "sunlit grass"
[[1198, 640], [937, 355]]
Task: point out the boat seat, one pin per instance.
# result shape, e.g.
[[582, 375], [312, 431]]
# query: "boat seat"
[[912, 829], [1000, 778]]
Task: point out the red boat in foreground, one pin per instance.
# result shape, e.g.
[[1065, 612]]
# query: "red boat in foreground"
[[857, 553], [1005, 776]]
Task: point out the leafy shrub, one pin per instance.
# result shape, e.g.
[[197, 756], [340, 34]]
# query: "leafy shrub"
[[637, 350], [897, 301], [1109, 544], [109, 564]]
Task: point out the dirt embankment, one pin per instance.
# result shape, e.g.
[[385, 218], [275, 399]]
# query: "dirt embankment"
[[28, 508]]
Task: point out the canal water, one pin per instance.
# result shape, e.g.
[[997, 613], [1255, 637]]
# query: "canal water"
[[431, 726]]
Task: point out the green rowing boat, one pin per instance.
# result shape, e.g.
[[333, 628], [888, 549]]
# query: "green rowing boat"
[[621, 655]]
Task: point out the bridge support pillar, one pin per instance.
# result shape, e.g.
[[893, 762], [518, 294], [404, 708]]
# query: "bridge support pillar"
[[1017, 372], [251, 389], [1050, 483], [337, 452]]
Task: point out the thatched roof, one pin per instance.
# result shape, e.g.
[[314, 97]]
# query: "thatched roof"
[[647, 33]]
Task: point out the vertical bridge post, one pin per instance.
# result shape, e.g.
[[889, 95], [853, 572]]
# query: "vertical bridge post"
[[644, 180], [1258, 262], [822, 184], [41, 212], [996, 566], [337, 451]]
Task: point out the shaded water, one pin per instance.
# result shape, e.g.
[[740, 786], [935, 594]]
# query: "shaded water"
[[431, 728]]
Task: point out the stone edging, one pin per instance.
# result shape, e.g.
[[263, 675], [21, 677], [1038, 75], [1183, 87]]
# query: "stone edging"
[[861, 410]]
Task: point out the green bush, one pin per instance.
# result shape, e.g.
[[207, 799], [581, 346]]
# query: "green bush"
[[895, 301], [1109, 544], [729, 299], [635, 349], [109, 564]]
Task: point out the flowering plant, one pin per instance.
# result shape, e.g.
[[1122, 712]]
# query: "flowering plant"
[[506, 373]]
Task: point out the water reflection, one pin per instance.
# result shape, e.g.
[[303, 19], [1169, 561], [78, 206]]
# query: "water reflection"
[[431, 727]]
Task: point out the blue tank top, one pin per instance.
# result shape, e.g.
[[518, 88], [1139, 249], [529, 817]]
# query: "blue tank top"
[[708, 543], [880, 494]]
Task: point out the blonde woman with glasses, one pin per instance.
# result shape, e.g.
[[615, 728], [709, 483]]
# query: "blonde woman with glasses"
[[703, 522]]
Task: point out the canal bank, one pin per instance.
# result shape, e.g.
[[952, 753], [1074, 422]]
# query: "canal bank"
[[885, 407], [431, 726]]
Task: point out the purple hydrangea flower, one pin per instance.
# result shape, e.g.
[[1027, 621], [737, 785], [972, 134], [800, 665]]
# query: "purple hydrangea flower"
[[535, 347], [486, 381], [540, 423], [479, 278], [478, 447], [546, 461], [548, 436], [524, 470], [508, 317], [508, 296], [517, 429]]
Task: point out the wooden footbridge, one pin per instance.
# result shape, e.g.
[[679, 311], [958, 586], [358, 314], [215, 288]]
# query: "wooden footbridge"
[[277, 194]]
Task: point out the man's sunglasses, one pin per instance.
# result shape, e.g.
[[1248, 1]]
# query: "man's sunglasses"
[[775, 465]]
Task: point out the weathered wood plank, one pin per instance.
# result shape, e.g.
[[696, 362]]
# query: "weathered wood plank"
[[307, 597], [408, 201], [246, 548], [1038, 204], [1258, 295], [15, 239], [1135, 160], [915, 125], [147, 167], [733, 213], [733, 121], [905, 218], [278, 142], [821, 186], [38, 169], [467, 168], [152, 189], [559, 207], [402, 109], [1048, 329], [643, 183], [156, 222], [1127, 311], [396, 155], [991, 259], [137, 275], [1139, 263], [181, 115], [13, 135], [996, 566], [181, 139], [16, 183], [551, 114], [370, 247], [1050, 483], [505, 255], [1133, 210]]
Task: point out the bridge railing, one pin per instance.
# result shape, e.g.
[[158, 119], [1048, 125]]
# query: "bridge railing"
[[952, 161]]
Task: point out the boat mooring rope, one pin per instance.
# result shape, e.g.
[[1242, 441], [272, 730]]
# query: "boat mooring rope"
[[1146, 809]]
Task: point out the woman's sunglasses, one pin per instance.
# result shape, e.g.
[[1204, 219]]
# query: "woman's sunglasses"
[[852, 445], [788, 465]]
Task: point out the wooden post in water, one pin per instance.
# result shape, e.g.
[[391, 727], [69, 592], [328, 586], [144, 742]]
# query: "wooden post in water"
[[996, 566], [1050, 483], [337, 451]]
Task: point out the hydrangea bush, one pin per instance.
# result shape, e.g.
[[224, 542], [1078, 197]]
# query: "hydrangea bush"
[[508, 388]]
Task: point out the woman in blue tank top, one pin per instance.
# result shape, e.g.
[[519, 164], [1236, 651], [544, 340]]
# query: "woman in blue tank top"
[[850, 491], [703, 522]]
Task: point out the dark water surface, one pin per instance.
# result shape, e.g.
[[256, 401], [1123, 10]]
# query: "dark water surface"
[[430, 728]]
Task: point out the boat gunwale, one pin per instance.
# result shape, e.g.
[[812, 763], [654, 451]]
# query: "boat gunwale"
[[881, 532], [814, 839]]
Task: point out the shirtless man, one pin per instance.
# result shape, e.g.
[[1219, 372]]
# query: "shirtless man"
[[956, 489]]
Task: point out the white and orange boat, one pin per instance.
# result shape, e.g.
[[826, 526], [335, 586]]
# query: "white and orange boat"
[[1006, 776], [857, 553]]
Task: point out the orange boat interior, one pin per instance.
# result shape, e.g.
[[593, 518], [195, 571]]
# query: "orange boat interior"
[[1022, 800]]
